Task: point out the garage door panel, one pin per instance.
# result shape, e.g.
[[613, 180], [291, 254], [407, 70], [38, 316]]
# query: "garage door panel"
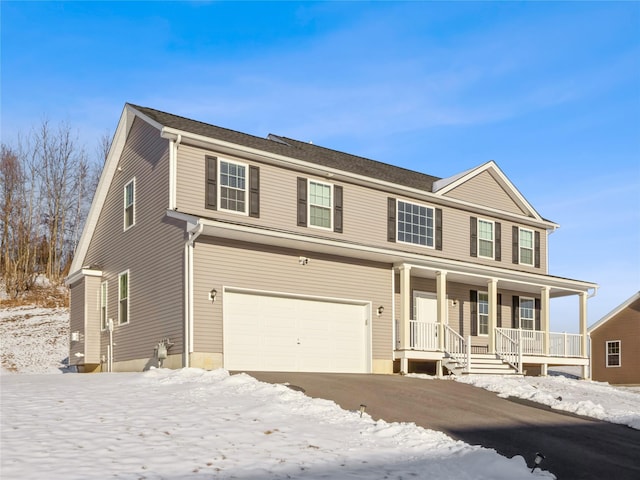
[[292, 334]]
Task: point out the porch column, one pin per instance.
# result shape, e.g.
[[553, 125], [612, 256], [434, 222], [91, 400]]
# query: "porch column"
[[492, 291], [545, 305], [441, 293], [405, 307], [583, 331]]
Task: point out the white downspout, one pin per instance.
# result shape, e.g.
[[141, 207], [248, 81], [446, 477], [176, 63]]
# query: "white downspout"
[[173, 169], [194, 233]]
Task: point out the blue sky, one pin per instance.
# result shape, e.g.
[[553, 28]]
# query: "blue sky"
[[550, 91]]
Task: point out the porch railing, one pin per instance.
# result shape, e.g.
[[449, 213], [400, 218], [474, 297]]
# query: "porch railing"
[[423, 335], [455, 346], [509, 347], [565, 345]]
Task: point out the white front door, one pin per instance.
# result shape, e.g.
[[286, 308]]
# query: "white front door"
[[425, 307], [424, 331]]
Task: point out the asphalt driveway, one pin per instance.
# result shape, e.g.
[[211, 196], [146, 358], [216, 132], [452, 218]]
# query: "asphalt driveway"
[[575, 447]]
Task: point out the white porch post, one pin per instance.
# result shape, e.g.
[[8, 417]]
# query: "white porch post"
[[492, 291], [405, 313], [441, 293], [583, 332], [545, 305]]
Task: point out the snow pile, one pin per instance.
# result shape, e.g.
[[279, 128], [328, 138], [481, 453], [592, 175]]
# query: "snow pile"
[[591, 399], [34, 340], [193, 424]]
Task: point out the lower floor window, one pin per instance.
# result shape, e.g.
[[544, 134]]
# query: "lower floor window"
[[483, 313], [613, 353], [527, 308], [123, 298]]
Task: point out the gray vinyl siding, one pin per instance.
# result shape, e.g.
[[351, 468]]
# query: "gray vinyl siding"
[[484, 190], [364, 211], [152, 250], [219, 263], [76, 319]]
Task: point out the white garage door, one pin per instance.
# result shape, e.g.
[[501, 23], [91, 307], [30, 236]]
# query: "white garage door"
[[278, 333]]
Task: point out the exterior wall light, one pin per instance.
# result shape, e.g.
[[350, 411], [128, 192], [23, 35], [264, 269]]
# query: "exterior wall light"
[[379, 310], [213, 294]]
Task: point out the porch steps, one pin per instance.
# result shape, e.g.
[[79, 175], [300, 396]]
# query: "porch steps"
[[481, 364]]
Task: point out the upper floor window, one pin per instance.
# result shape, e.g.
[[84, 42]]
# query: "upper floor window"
[[485, 238], [526, 246], [527, 313], [103, 305], [483, 313], [613, 353], [233, 191], [123, 298], [415, 224], [320, 204], [129, 204], [232, 186]]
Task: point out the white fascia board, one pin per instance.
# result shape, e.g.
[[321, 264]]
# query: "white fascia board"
[[444, 186], [331, 173], [382, 254], [613, 312], [84, 272], [110, 167]]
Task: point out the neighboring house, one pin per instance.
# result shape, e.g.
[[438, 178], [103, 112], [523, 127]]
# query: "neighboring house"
[[214, 248], [615, 344]]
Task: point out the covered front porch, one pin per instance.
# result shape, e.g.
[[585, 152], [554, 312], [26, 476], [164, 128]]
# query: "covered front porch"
[[480, 320]]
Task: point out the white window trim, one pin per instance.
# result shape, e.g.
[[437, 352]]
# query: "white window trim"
[[103, 325], [533, 319], [606, 353], [128, 274], [331, 201], [520, 230], [124, 209], [433, 216], [493, 238], [478, 314], [246, 186]]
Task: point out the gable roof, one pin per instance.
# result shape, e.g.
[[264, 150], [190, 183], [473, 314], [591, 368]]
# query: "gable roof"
[[298, 150], [614, 312], [284, 147], [446, 185]]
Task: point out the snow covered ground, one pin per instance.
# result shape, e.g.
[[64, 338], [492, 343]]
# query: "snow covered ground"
[[192, 424]]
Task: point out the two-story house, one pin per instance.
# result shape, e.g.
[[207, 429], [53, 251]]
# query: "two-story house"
[[210, 248]]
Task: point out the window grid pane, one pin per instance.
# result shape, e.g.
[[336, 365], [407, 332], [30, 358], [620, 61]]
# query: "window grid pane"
[[483, 313], [320, 205], [527, 321], [415, 224], [613, 354], [232, 187], [526, 247], [485, 238]]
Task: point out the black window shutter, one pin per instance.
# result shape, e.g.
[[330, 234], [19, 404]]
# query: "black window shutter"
[[337, 208], [391, 219], [515, 312], [537, 308], [499, 312], [537, 249], [474, 236], [498, 243], [473, 297], [254, 192], [302, 202], [438, 221], [515, 245], [211, 193]]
